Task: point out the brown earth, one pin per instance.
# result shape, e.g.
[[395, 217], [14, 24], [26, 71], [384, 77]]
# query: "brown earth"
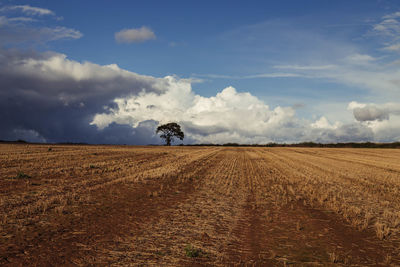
[[196, 206]]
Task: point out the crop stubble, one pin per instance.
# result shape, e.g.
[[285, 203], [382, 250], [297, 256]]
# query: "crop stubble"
[[121, 205]]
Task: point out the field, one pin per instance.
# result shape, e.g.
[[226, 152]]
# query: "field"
[[169, 206]]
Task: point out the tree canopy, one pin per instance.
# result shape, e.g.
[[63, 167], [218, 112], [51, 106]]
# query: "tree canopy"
[[169, 131]]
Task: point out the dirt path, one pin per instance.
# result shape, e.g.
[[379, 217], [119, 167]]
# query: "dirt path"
[[222, 206]]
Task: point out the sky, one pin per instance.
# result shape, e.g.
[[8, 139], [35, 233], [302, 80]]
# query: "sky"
[[249, 72]]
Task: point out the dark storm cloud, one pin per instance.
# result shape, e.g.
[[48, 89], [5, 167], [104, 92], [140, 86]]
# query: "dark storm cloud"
[[45, 96], [125, 134]]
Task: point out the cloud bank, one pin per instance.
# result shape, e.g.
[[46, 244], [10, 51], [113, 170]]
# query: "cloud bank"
[[48, 97], [232, 116]]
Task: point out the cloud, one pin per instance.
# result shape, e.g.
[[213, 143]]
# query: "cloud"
[[354, 132], [20, 30], [28, 10], [253, 76], [56, 98], [60, 33], [18, 19], [373, 112], [229, 116], [388, 29], [392, 16], [15, 34], [47, 97], [135, 35], [357, 70], [370, 113], [382, 119], [308, 67], [54, 76], [323, 123], [393, 47], [27, 134], [349, 65], [359, 59]]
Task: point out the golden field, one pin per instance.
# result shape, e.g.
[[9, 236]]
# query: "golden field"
[[185, 206]]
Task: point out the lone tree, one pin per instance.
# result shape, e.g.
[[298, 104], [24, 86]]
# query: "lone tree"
[[169, 131]]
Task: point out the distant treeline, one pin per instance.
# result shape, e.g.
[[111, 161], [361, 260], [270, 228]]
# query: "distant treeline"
[[20, 141], [303, 144], [312, 144]]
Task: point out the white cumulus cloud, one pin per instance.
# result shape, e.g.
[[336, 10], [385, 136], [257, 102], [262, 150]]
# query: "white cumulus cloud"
[[229, 116], [323, 123]]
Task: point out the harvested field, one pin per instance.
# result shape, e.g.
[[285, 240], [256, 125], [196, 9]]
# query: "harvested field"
[[185, 206]]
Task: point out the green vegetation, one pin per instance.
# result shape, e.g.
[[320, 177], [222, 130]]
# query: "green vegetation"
[[192, 252]]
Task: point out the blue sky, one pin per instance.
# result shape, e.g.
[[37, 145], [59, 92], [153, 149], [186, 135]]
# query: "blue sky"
[[331, 66]]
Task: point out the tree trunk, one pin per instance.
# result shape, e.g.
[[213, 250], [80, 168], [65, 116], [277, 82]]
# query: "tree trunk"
[[168, 139]]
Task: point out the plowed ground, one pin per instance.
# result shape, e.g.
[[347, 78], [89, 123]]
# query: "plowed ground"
[[188, 206]]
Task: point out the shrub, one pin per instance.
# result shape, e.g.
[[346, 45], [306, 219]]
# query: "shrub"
[[22, 175]]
